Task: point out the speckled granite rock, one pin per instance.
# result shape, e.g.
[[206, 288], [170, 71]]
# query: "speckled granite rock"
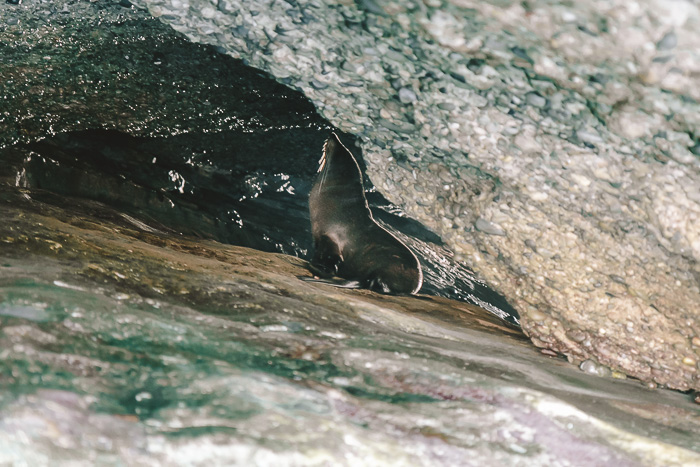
[[563, 139]]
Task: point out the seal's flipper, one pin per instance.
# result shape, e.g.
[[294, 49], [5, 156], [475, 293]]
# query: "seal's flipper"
[[335, 282], [320, 271], [327, 257], [376, 284]]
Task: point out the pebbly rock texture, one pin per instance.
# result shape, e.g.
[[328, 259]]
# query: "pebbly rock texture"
[[555, 148]]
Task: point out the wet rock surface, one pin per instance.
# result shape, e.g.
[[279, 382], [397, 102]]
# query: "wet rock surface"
[[125, 341], [564, 139], [125, 345]]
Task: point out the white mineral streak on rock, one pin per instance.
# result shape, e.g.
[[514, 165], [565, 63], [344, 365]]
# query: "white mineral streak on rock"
[[595, 166]]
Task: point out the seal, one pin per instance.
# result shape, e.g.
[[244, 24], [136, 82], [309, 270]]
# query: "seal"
[[348, 242]]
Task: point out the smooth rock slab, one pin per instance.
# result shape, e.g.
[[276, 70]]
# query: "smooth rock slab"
[[157, 349]]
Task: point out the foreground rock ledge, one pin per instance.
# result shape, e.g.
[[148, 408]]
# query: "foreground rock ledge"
[[122, 317]]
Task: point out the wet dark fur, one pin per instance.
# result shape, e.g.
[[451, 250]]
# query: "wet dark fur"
[[348, 242]]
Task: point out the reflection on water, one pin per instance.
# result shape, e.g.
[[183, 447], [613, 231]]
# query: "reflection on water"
[[247, 189]]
